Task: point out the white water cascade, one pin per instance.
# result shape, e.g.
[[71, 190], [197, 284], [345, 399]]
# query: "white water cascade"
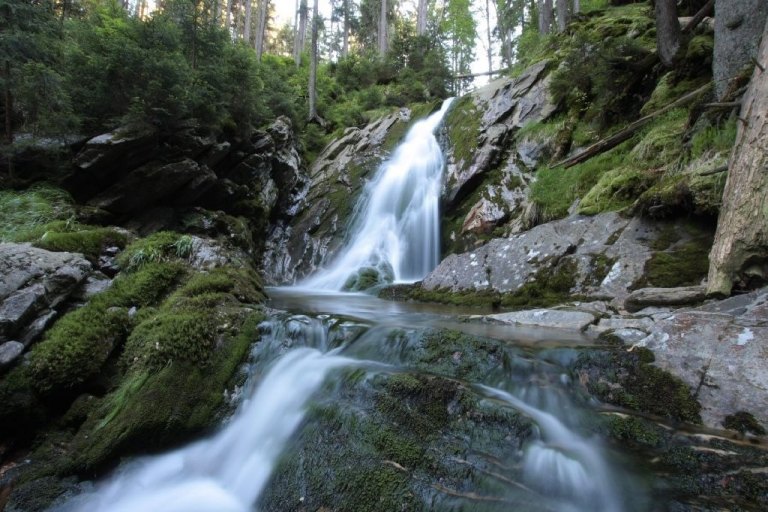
[[563, 465], [227, 472], [396, 229]]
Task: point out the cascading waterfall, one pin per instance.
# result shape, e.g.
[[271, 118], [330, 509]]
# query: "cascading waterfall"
[[227, 472], [396, 230], [563, 465]]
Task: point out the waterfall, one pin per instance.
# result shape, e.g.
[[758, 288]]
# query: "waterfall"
[[396, 231], [562, 465], [227, 472]]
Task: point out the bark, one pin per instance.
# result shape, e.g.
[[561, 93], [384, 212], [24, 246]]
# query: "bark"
[[345, 36], [313, 67], [247, 24], [8, 103], [546, 16], [301, 33], [563, 15], [705, 11], [229, 17], [741, 240], [488, 34], [667, 32], [421, 17], [383, 25], [217, 13], [576, 6], [261, 30]]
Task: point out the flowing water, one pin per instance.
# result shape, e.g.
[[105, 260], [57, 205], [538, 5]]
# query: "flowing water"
[[510, 433], [396, 229]]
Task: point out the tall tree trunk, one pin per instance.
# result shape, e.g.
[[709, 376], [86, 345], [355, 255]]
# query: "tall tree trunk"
[[301, 33], [383, 26], [741, 239], [421, 17], [217, 13], [195, 21], [313, 67], [563, 15], [247, 23], [545, 16], [488, 34], [345, 36], [261, 32], [229, 18], [8, 101], [576, 6], [667, 31]]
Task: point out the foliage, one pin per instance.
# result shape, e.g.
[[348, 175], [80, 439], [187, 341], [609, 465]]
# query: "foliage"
[[159, 246], [30, 209]]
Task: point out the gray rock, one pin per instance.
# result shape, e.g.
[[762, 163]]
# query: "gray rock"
[[548, 318], [721, 351], [9, 352], [110, 152], [93, 284], [33, 281], [682, 296], [34, 330]]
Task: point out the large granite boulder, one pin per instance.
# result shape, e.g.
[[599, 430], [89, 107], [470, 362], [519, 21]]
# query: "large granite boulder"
[[35, 285]]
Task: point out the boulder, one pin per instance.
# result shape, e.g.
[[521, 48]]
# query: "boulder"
[[682, 296], [547, 318], [33, 282], [9, 352], [178, 183], [721, 351]]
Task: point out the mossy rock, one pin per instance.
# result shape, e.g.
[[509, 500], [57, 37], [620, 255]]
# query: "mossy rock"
[[615, 190], [65, 236], [153, 409], [744, 422], [463, 122], [158, 247]]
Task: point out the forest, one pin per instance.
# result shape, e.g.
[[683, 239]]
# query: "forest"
[[377, 255]]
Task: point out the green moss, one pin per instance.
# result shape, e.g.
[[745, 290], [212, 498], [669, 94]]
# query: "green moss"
[[76, 348], [79, 344], [150, 410], [555, 189], [374, 490], [682, 266], [743, 422], [654, 390], [242, 283], [669, 88], [661, 144], [27, 210], [397, 448], [171, 336], [615, 190], [72, 237], [463, 122], [549, 286], [600, 266], [157, 247], [714, 139], [634, 430]]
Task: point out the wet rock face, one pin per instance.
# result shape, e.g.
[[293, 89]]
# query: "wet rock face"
[[487, 173], [720, 351], [35, 285]]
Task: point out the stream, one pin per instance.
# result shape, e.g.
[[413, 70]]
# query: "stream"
[[354, 403]]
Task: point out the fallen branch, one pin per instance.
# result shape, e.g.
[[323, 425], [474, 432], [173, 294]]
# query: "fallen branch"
[[617, 138], [484, 73], [716, 170], [724, 104], [705, 11]]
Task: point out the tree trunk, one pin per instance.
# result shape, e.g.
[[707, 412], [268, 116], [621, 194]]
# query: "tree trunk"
[[383, 42], [216, 13], [545, 16], [667, 32], [576, 6], [313, 67], [229, 18], [421, 17], [8, 104], [301, 33], [247, 23], [741, 239], [563, 15], [261, 32], [345, 37], [488, 34]]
